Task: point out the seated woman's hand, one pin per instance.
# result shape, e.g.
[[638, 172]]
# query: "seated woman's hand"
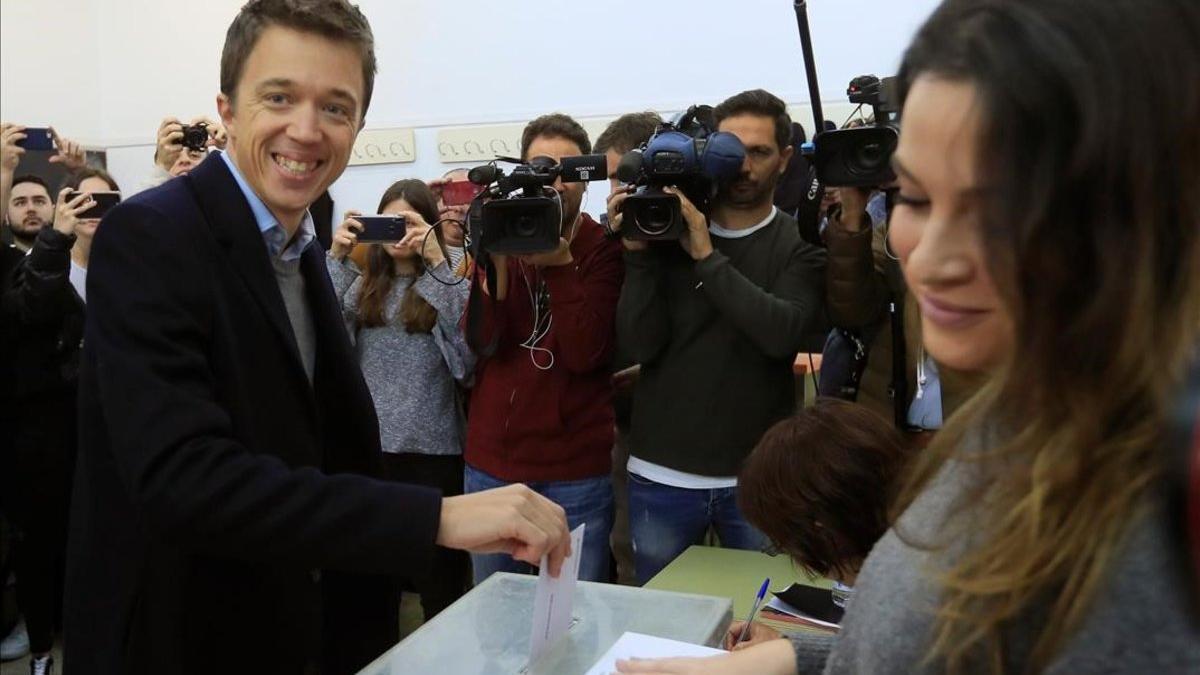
[[757, 635], [773, 657]]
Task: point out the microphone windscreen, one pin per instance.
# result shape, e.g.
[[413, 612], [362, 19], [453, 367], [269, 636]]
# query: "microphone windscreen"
[[630, 167], [723, 156], [483, 175]]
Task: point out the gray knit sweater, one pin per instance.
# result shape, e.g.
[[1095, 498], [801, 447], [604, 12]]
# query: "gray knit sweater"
[[1139, 621], [716, 340], [412, 376]]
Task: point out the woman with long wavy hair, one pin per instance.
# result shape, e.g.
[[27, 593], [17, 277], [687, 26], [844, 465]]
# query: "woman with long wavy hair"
[[403, 314], [1048, 223]]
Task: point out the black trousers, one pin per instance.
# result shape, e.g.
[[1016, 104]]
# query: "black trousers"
[[37, 461], [449, 577]]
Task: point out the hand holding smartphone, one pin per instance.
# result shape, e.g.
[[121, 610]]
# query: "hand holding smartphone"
[[102, 202], [37, 138], [381, 229]]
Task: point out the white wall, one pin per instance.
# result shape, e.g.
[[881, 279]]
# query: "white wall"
[[159, 58], [130, 62], [49, 73]]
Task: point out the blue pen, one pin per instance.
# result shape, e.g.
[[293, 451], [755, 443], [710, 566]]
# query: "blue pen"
[[754, 609]]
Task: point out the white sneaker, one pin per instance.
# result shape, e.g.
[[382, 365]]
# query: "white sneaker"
[[16, 643]]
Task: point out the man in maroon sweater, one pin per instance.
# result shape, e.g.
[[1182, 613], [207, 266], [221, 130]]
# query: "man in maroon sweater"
[[541, 409]]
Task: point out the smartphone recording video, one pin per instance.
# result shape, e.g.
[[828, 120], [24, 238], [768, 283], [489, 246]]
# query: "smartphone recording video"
[[37, 138], [381, 229]]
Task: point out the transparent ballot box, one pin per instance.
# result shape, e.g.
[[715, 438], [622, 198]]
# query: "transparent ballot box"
[[487, 631]]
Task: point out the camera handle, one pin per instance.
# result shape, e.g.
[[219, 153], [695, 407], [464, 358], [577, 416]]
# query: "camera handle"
[[810, 66]]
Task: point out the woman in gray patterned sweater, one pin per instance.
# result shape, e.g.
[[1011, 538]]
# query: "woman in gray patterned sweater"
[[402, 315], [1048, 224]]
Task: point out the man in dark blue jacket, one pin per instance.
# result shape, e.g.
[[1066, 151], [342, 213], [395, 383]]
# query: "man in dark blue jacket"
[[223, 516]]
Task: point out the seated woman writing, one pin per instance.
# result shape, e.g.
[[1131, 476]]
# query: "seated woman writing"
[[818, 486]]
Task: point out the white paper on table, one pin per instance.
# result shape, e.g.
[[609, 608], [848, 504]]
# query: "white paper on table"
[[783, 607], [637, 645], [553, 599]]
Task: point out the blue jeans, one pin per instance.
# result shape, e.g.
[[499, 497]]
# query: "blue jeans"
[[586, 501], [665, 520]]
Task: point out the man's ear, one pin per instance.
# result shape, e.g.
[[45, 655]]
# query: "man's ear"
[[786, 155], [225, 110]]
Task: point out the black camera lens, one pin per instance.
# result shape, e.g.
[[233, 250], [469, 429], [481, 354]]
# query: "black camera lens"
[[653, 219], [868, 158], [524, 226], [195, 137]]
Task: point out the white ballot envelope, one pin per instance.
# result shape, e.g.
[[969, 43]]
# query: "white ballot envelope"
[[636, 645], [553, 599]]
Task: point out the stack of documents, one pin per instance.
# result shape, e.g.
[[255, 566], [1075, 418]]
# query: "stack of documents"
[[805, 605]]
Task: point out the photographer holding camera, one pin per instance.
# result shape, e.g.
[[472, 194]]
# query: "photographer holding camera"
[[404, 322], [716, 329], [876, 319], [628, 132], [452, 216], [179, 148], [541, 410], [42, 319], [27, 213]]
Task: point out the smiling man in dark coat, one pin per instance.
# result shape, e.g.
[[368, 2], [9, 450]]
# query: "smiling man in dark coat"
[[224, 518]]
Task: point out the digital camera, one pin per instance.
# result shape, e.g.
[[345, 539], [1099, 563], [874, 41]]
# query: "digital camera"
[[195, 137]]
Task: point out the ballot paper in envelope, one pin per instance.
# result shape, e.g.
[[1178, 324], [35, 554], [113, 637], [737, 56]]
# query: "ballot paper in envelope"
[[553, 599]]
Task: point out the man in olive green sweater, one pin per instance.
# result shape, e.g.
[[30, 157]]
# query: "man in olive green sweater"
[[716, 328]]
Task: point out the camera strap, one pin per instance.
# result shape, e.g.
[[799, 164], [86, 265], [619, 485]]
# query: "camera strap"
[[475, 306]]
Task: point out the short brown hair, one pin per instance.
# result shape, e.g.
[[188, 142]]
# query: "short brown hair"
[[555, 125], [627, 132], [818, 484], [334, 19], [76, 178], [30, 178], [762, 103]]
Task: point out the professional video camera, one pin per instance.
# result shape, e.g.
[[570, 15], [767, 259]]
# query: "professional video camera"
[[688, 154], [519, 213], [850, 157], [861, 156]]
